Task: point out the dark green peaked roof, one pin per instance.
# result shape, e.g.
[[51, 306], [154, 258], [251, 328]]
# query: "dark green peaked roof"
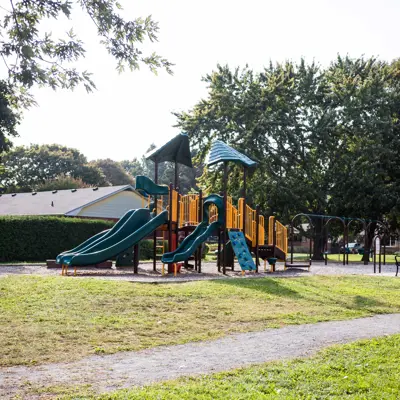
[[221, 152], [177, 149]]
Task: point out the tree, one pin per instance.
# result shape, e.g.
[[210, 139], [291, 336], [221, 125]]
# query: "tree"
[[113, 172], [28, 167], [9, 118], [62, 182], [32, 56], [306, 126], [132, 167]]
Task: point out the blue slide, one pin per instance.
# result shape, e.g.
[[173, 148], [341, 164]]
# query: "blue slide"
[[199, 235]]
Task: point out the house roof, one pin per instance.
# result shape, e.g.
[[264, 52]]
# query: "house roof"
[[177, 149], [60, 202], [221, 152]]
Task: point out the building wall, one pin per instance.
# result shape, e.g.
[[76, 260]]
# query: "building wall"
[[113, 207]]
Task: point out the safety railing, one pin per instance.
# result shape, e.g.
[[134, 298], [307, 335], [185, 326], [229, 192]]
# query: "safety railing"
[[261, 230], [232, 215], [251, 224], [189, 210], [212, 213], [281, 237], [271, 223], [174, 207]]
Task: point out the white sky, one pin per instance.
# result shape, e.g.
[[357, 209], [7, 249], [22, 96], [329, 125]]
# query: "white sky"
[[133, 109]]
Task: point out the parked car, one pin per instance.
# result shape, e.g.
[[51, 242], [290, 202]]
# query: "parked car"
[[352, 248]]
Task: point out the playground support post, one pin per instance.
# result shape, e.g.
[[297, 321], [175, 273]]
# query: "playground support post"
[[224, 219], [200, 219], [291, 242], [135, 258], [155, 232], [219, 251], [178, 216], [170, 222], [257, 235], [176, 174], [325, 239], [244, 200]]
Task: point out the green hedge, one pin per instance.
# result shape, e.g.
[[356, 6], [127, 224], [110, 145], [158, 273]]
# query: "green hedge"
[[41, 238]]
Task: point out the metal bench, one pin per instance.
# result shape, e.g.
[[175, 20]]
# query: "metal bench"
[[298, 264]]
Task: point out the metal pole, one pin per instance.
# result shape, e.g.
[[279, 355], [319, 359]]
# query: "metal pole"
[[224, 222], [219, 251], [176, 174], [178, 212], [135, 258], [257, 235], [374, 247], [244, 199], [346, 234], [291, 242], [155, 232], [200, 219], [326, 243], [346, 240], [366, 259]]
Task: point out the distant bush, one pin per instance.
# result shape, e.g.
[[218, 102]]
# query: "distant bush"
[[205, 250], [300, 249], [34, 238]]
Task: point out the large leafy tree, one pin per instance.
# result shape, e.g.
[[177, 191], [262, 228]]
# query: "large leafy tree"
[[132, 167], [32, 56], [26, 168], [113, 171], [322, 137]]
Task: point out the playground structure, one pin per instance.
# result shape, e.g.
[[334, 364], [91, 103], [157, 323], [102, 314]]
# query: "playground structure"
[[167, 214], [380, 234]]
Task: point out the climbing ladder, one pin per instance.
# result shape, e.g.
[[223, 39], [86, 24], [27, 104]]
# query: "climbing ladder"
[[241, 250]]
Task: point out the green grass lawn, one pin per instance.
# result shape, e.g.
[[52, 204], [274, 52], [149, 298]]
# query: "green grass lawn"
[[45, 319], [366, 369]]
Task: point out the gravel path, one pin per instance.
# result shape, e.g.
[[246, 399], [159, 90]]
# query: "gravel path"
[[121, 370]]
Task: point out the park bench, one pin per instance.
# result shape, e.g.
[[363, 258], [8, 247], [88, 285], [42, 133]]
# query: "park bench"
[[303, 264], [397, 259]]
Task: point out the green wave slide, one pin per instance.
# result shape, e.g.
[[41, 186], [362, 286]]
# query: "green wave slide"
[[135, 226], [98, 237], [200, 234]]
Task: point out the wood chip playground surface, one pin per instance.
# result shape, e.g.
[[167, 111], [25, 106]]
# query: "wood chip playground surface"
[[209, 271]]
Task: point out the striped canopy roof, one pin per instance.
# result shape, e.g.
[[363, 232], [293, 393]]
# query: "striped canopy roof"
[[221, 152]]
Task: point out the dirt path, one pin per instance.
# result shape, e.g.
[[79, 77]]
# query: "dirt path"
[[121, 370]]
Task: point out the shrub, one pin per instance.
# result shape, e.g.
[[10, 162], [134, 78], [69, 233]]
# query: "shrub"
[[146, 250], [34, 238], [205, 250]]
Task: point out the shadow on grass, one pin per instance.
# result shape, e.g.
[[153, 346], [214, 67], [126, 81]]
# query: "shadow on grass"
[[267, 286], [361, 302]]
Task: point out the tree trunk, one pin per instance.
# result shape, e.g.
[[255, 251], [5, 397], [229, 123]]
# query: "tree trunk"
[[318, 253]]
